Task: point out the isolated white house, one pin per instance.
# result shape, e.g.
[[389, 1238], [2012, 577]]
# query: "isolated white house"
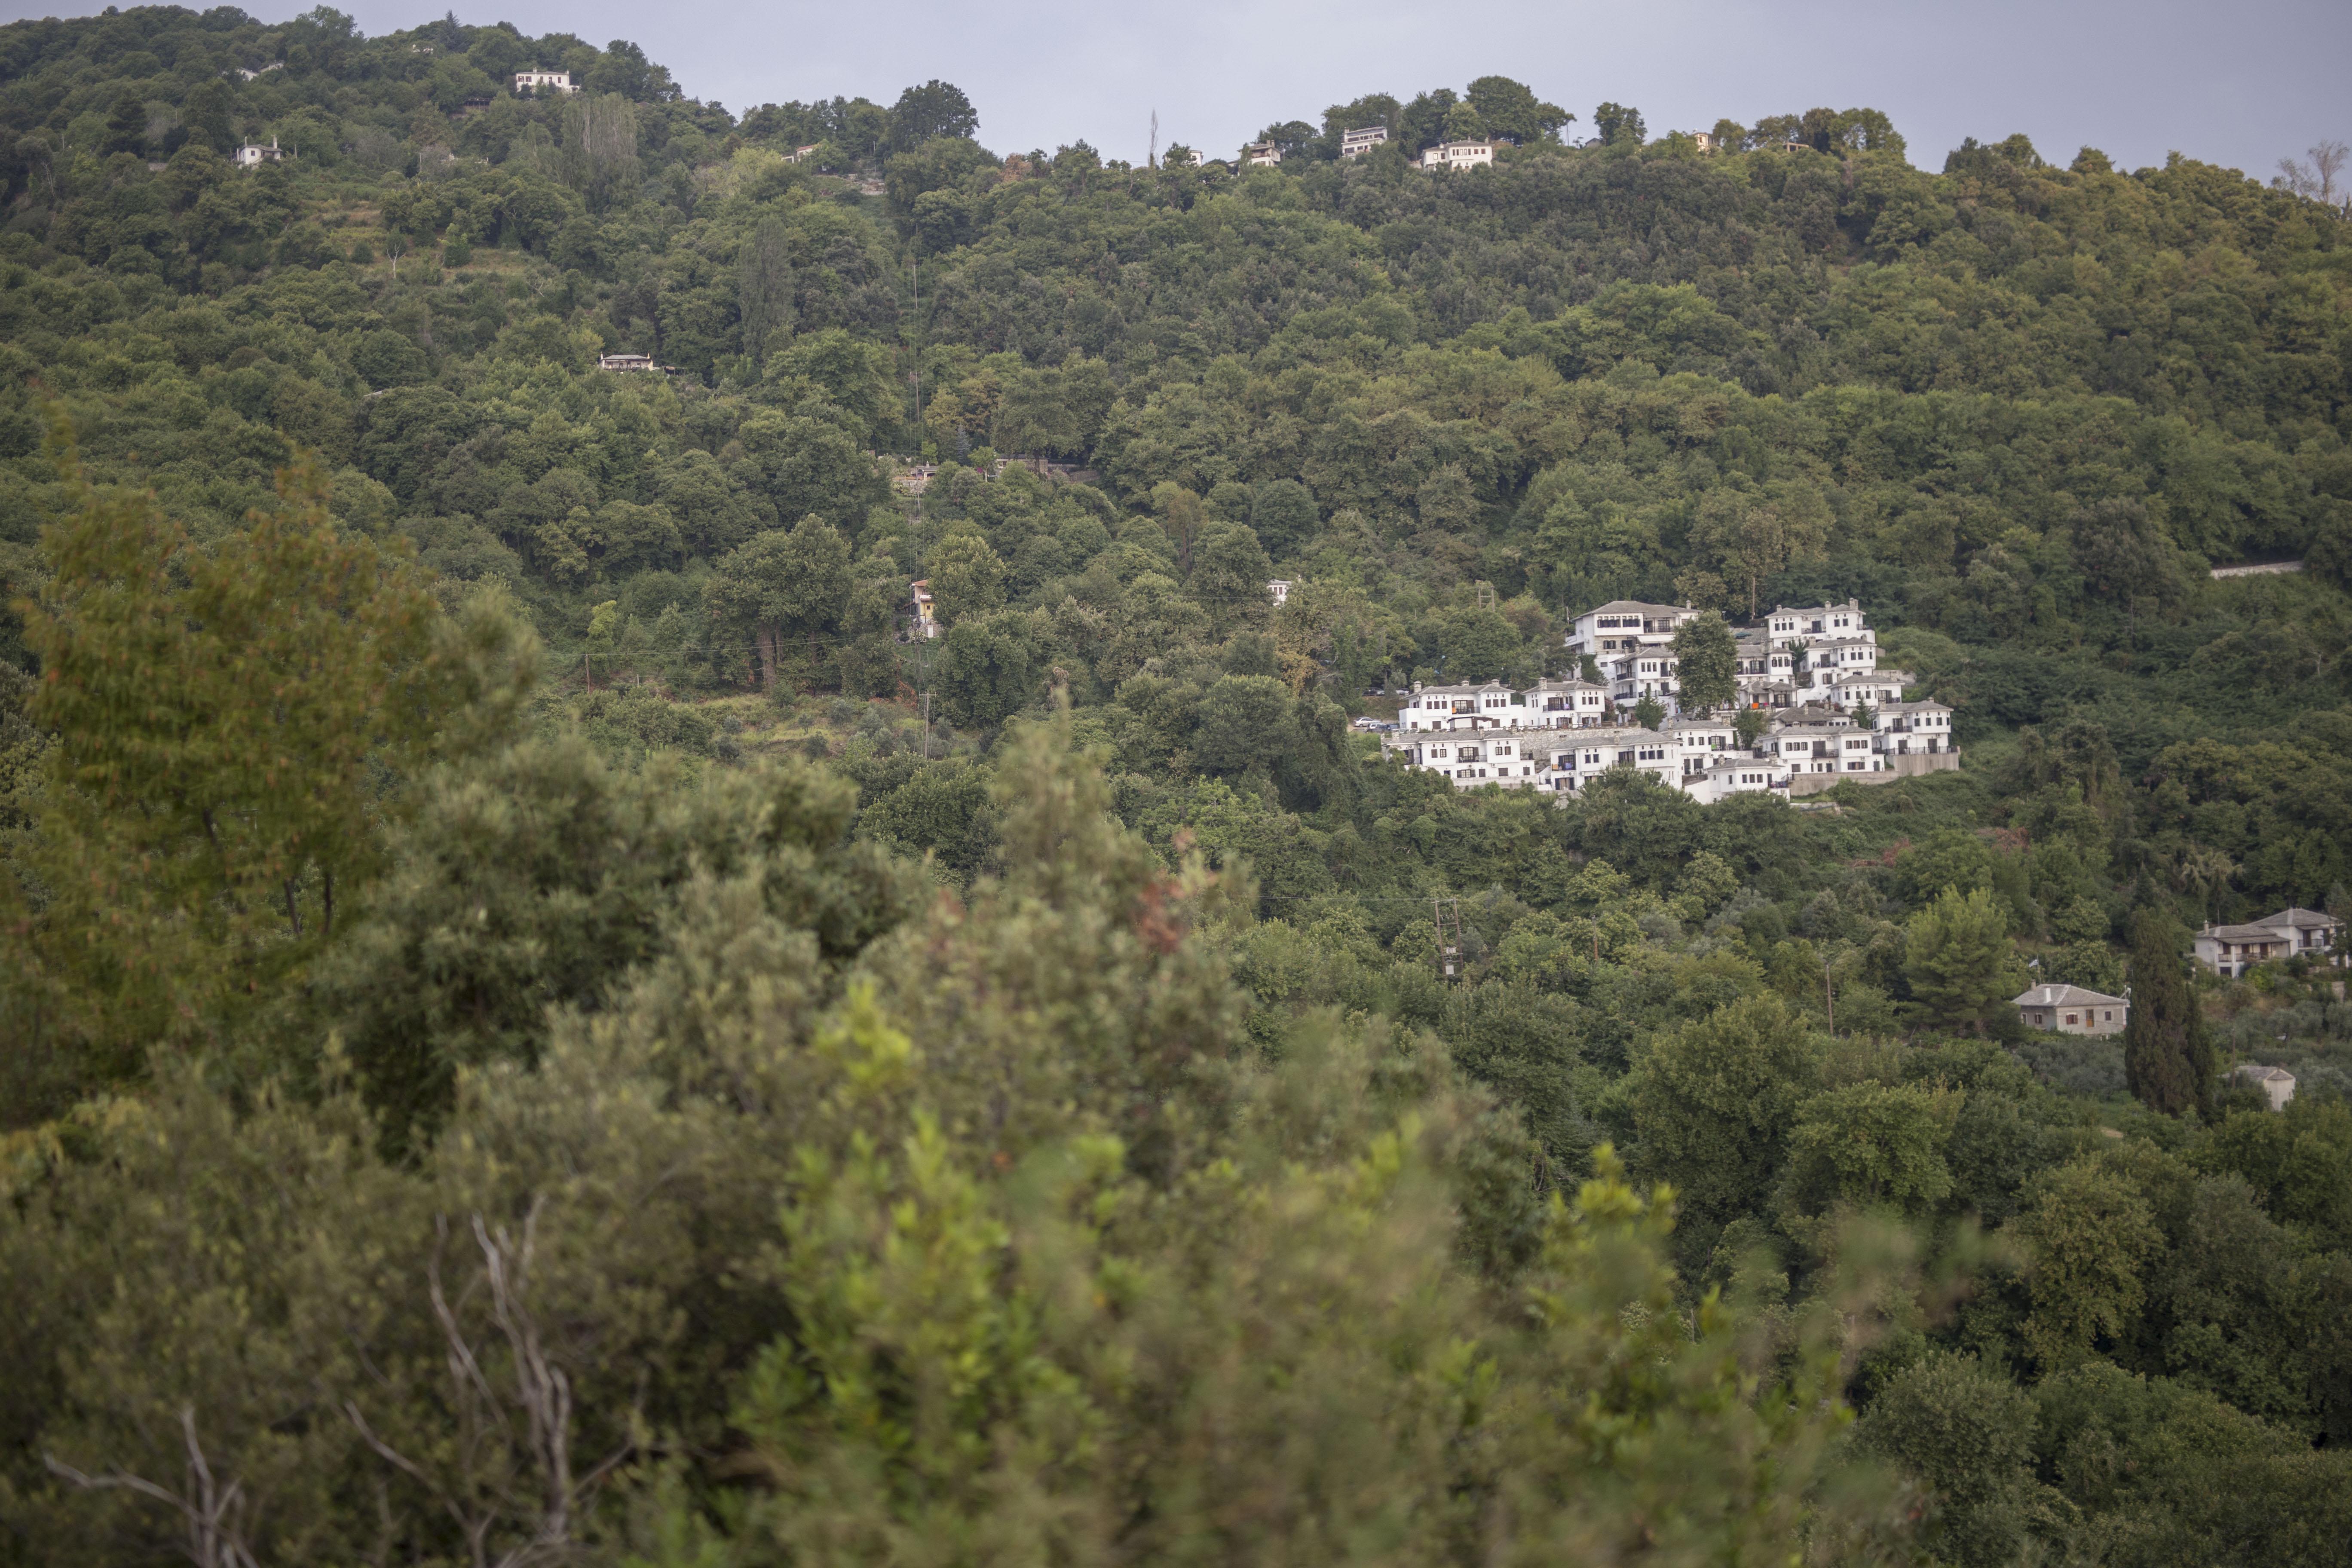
[[543, 81], [2277, 1084], [1459, 155], [2071, 1010], [1356, 144], [250, 156]]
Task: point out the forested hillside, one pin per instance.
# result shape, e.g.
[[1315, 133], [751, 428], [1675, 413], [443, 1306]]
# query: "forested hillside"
[[542, 1020]]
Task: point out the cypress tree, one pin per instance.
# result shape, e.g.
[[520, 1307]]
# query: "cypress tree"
[[2168, 1060]]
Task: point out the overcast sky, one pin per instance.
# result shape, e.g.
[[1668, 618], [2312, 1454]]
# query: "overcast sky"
[[2239, 84]]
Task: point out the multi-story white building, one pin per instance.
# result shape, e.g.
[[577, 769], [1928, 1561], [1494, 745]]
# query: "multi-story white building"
[[1559, 735], [1872, 689], [1764, 671], [1356, 144], [1633, 645], [2232, 950], [1743, 773], [1571, 704], [1487, 707], [1459, 154], [1623, 626], [543, 81], [1825, 749], [1830, 646], [1905, 729], [1262, 152]]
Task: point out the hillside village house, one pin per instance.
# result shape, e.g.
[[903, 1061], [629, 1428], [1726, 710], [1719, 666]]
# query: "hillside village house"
[[543, 81], [1356, 144], [1512, 748], [2232, 950], [1280, 589], [250, 156], [1263, 152], [2277, 1084], [1631, 643], [2071, 1010], [1458, 155]]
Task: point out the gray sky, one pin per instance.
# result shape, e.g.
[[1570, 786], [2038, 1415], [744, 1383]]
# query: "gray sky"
[[2241, 84]]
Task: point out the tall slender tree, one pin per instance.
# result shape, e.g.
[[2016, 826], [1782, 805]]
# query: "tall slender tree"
[[2168, 1060]]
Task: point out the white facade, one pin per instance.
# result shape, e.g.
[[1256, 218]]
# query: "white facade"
[[2232, 950], [1764, 671], [1834, 655], [1459, 155], [1905, 728], [1632, 645], [1571, 704], [1280, 588], [543, 81], [1263, 152], [1356, 144], [1825, 749], [1492, 706], [2277, 1084], [250, 156], [1564, 760]]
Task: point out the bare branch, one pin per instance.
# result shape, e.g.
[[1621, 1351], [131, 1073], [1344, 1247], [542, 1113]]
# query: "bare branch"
[[210, 1516]]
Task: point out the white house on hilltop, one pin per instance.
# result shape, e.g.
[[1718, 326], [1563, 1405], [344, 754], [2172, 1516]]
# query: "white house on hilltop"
[[543, 81], [1356, 144], [1459, 155], [1262, 152]]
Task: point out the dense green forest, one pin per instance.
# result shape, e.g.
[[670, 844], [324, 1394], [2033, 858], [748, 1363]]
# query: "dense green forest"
[[541, 1022]]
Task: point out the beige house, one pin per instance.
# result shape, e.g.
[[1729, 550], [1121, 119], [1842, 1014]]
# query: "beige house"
[[2071, 1010]]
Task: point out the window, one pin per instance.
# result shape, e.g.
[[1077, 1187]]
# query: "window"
[[2108, 1016], [2073, 1019]]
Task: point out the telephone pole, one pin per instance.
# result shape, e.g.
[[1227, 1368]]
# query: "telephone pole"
[[1448, 914]]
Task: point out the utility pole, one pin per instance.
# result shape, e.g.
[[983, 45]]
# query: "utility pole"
[[1448, 914]]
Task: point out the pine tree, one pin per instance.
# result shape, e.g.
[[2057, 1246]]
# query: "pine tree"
[[2168, 1060]]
